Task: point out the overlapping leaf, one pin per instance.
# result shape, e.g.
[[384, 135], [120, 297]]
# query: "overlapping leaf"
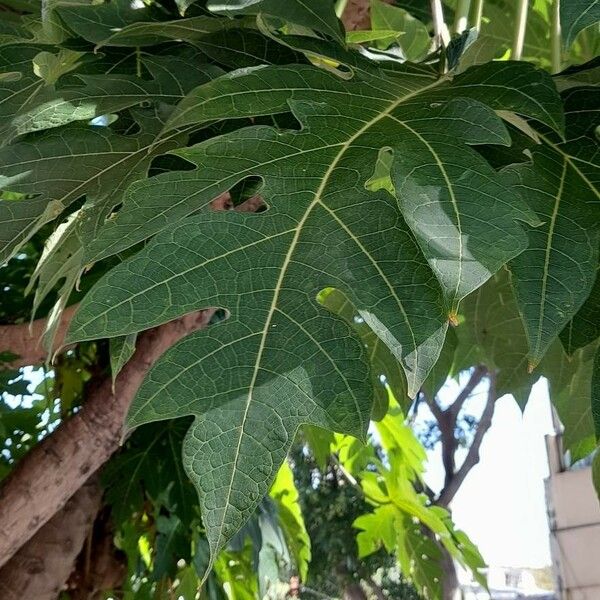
[[555, 275], [576, 15], [492, 334], [584, 328], [89, 96], [385, 368], [119, 23], [318, 16]]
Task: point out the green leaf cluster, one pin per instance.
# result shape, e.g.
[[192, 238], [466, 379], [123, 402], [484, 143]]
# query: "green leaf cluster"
[[416, 222]]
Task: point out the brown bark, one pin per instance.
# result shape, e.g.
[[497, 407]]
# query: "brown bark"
[[39, 570], [24, 340], [450, 586], [356, 16], [100, 566], [454, 478], [58, 466], [353, 591]]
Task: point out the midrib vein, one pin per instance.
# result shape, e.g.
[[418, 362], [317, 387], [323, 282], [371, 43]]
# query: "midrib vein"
[[551, 227], [286, 262]]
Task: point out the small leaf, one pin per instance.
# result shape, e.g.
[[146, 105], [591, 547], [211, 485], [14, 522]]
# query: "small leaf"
[[411, 35], [286, 496], [121, 350]]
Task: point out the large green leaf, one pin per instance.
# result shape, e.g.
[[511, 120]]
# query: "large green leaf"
[[555, 275], [47, 191], [287, 361], [464, 188], [492, 334], [575, 15]]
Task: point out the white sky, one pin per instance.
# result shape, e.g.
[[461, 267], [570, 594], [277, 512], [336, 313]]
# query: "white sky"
[[501, 505]]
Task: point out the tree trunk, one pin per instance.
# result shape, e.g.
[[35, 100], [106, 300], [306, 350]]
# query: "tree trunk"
[[58, 466], [353, 591], [100, 566], [39, 570], [450, 587]]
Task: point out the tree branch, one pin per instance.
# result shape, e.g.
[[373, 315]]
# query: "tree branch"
[[43, 565], [476, 376], [59, 465], [434, 407], [24, 340], [451, 488]]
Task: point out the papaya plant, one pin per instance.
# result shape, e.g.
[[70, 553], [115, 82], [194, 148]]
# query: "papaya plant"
[[247, 222]]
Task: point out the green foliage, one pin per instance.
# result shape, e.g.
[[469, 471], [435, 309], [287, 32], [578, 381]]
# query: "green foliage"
[[401, 199], [576, 15]]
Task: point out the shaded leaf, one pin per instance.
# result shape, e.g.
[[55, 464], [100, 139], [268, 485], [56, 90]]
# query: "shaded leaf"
[[89, 96], [385, 368], [412, 35], [584, 328], [121, 350], [576, 15], [312, 14], [554, 276]]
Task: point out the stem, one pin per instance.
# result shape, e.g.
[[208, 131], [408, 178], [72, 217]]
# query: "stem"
[[555, 40], [442, 35], [520, 27], [138, 62], [340, 7], [477, 14], [461, 18]]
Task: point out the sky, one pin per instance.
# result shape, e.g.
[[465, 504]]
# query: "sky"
[[501, 504]]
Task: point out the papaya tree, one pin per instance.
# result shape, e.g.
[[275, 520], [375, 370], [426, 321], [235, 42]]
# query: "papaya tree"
[[228, 225]]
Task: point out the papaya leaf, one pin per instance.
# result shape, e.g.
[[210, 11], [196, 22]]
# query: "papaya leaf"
[[554, 276], [121, 350], [280, 360], [385, 368], [584, 327], [411, 35], [576, 15], [90, 96], [311, 14]]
